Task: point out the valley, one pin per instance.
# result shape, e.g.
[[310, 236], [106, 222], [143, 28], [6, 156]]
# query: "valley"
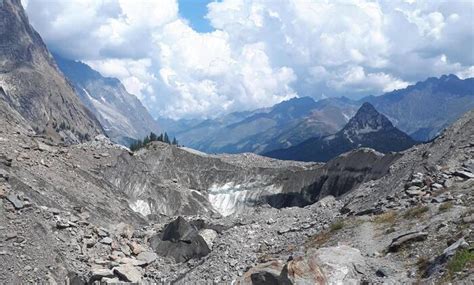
[[335, 191]]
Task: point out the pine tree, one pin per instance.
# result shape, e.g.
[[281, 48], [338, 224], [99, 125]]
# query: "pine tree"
[[175, 142], [146, 140], [160, 138], [153, 137], [166, 139]]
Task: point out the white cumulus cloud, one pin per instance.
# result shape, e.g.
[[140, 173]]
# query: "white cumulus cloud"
[[261, 52]]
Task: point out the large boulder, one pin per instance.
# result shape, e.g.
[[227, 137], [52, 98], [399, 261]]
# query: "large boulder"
[[181, 241], [339, 265], [330, 265], [267, 273]]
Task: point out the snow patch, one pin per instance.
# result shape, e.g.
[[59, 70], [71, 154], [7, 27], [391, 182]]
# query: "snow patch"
[[193, 151], [141, 207], [367, 129], [231, 198], [331, 137], [346, 117]]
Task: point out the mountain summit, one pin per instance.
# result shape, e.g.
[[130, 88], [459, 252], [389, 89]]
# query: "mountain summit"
[[366, 120], [368, 128]]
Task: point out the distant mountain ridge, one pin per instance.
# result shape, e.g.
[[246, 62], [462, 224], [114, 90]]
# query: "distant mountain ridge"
[[368, 128], [122, 115], [422, 110], [262, 130]]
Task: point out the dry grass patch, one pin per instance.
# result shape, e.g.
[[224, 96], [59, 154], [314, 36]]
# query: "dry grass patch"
[[416, 212], [445, 206], [318, 240], [337, 225], [386, 218], [323, 237]]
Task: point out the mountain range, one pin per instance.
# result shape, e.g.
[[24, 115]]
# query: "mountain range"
[[421, 110], [122, 115], [368, 128], [261, 130]]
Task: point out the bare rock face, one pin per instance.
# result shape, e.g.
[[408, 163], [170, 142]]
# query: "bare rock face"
[[122, 115], [209, 184], [31, 83]]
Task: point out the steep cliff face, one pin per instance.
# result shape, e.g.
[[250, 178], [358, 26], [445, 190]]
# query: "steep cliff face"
[[122, 115], [167, 180], [33, 85], [164, 179]]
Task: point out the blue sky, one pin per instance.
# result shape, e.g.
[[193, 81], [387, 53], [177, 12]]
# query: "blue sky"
[[195, 11]]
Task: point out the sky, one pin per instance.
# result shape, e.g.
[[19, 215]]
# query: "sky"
[[194, 11], [201, 59]]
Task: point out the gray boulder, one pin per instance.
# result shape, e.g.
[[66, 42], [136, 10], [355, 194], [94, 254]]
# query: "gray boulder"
[[400, 241], [147, 257], [464, 174], [181, 241], [128, 273], [16, 202], [99, 273]]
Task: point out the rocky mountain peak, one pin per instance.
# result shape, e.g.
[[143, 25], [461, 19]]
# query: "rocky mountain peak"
[[33, 85], [19, 42], [368, 128], [367, 120]]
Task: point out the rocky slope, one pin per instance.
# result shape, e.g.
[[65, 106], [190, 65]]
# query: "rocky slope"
[[122, 115], [31, 83], [368, 128], [95, 211]]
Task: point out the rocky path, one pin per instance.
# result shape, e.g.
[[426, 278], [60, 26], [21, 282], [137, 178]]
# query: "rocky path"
[[372, 242]]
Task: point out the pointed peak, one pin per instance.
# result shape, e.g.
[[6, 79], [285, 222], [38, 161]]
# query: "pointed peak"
[[367, 119], [367, 112], [367, 107]]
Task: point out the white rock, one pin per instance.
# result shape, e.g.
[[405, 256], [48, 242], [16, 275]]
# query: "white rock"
[[128, 273], [209, 236]]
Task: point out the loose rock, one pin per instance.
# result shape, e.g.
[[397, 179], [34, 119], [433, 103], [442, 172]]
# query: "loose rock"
[[128, 273], [400, 241]]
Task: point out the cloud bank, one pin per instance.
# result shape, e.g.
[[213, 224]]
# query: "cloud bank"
[[261, 52]]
